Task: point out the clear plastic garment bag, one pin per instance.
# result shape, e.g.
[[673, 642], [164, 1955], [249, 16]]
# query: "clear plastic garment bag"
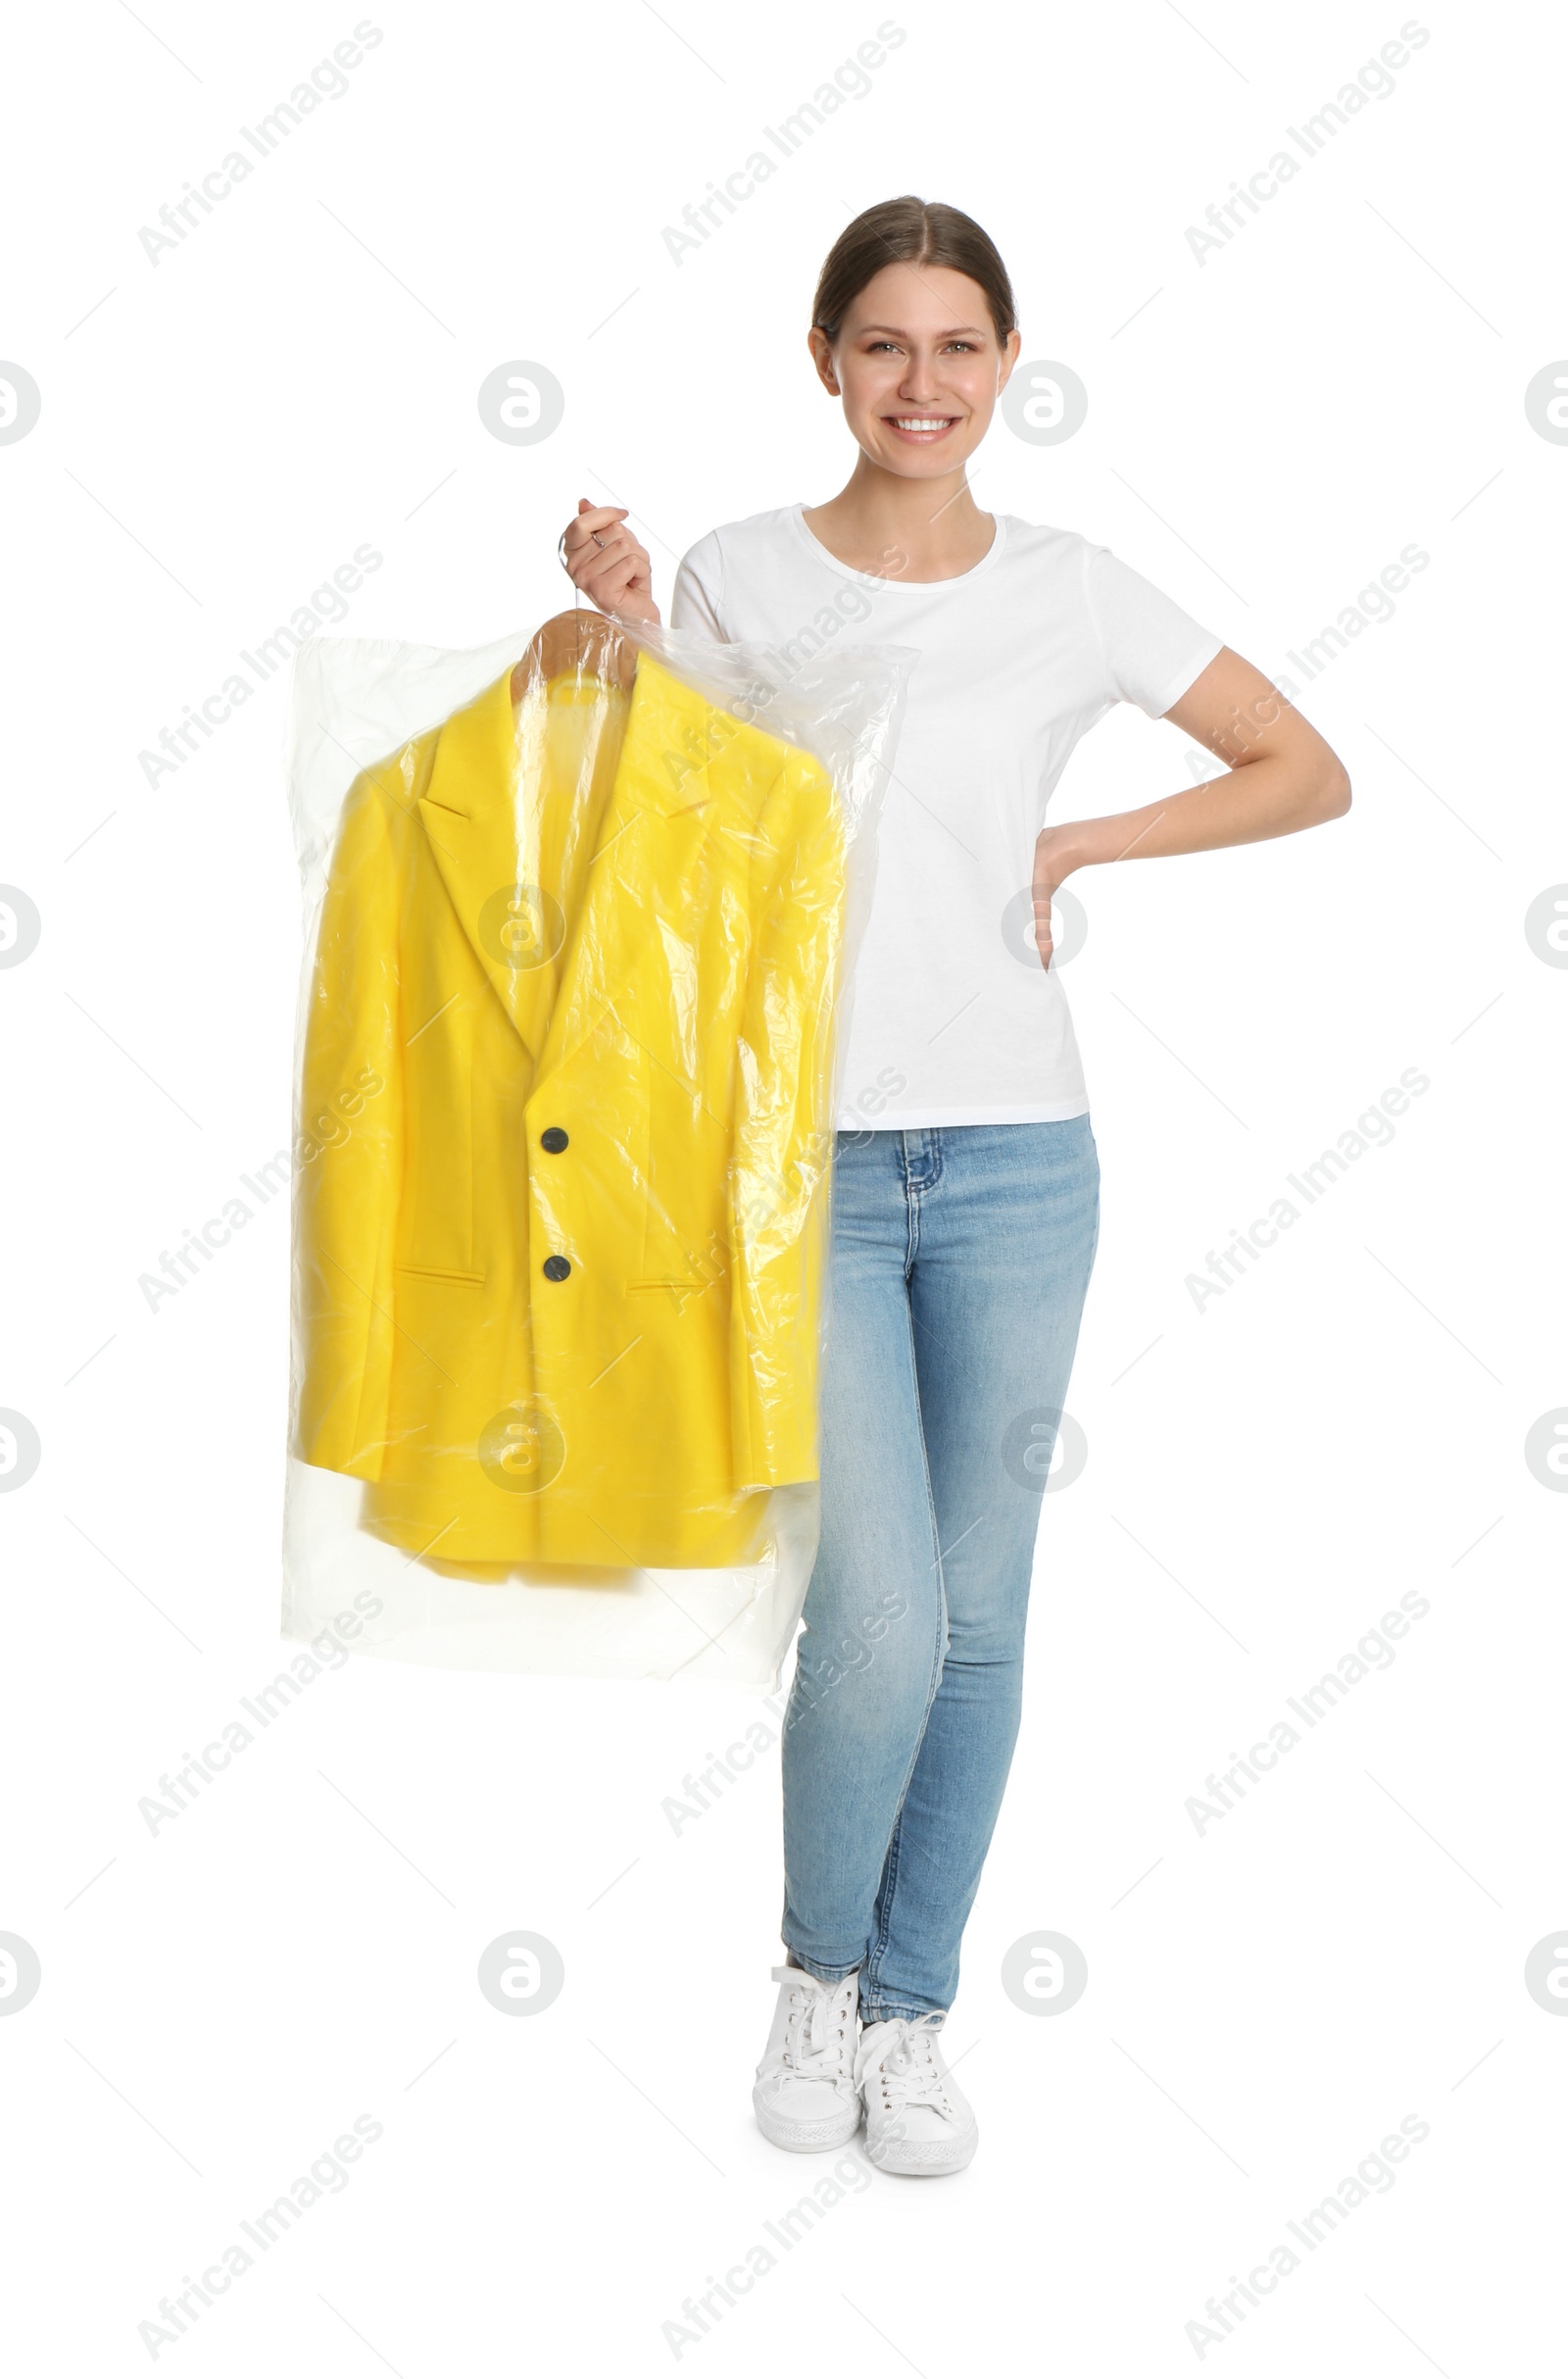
[[581, 924]]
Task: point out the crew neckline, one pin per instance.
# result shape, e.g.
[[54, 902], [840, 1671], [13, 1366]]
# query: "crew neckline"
[[902, 586]]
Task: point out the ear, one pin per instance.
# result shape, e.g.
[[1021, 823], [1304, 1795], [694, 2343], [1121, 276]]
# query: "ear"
[[822, 358]]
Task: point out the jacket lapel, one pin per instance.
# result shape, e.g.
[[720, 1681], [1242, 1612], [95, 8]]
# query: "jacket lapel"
[[499, 854], [559, 937], [662, 788]]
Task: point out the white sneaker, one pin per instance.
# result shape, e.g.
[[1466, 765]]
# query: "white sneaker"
[[918, 2120], [805, 2096]]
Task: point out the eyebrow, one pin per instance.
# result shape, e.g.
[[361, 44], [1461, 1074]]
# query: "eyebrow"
[[954, 330]]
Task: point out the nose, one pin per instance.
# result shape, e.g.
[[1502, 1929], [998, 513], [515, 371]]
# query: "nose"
[[919, 382]]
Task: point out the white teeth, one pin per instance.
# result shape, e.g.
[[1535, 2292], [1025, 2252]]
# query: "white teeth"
[[944, 421]]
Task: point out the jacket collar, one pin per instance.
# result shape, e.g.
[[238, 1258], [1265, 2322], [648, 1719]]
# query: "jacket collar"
[[483, 823], [481, 814]]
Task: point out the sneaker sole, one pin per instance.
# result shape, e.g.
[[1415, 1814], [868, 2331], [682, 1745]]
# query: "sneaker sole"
[[927, 2161], [806, 2139]]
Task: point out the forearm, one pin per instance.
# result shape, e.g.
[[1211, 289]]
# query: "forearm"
[[1248, 804]]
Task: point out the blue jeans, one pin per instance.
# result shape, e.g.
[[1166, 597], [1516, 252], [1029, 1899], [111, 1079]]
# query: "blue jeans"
[[961, 1257]]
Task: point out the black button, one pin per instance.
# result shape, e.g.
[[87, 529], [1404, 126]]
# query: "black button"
[[555, 1139], [557, 1268]]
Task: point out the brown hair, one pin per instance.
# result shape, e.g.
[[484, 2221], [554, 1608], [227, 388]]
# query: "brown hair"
[[910, 231]]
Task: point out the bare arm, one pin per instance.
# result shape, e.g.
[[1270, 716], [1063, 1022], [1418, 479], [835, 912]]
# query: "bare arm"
[[1280, 776]]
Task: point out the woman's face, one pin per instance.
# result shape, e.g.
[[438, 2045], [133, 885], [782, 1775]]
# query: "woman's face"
[[919, 367]]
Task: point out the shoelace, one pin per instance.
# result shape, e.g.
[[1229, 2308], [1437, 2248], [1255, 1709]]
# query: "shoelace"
[[819, 2022], [906, 2063]]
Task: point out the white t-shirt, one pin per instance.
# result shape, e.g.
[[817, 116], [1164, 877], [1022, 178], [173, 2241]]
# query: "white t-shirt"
[[954, 1019]]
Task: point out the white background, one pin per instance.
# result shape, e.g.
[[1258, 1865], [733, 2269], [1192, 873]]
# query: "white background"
[[1266, 430]]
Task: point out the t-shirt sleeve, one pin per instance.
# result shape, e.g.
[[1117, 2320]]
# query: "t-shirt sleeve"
[[698, 595], [1152, 649]]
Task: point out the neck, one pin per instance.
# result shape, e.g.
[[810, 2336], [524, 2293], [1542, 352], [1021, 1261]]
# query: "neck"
[[903, 529]]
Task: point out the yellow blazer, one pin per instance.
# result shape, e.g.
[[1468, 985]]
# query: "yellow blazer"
[[564, 1137]]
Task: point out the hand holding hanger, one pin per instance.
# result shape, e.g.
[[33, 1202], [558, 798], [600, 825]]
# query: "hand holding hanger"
[[605, 562]]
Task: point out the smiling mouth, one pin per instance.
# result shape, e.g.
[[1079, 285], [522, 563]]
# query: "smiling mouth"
[[920, 424]]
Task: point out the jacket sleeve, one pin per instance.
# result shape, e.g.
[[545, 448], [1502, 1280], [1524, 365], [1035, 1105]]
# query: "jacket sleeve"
[[348, 1152], [781, 1152]]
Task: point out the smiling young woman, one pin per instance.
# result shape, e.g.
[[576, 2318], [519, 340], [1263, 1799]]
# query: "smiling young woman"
[[965, 1178]]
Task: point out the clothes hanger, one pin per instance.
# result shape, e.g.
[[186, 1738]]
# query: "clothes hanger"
[[578, 641]]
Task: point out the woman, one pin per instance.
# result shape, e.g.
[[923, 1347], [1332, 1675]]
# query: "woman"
[[965, 1177]]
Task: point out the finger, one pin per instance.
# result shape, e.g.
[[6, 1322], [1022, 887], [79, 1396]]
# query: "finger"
[[619, 551], [585, 561], [591, 517], [587, 554], [605, 569], [623, 577], [618, 600], [575, 553], [618, 548]]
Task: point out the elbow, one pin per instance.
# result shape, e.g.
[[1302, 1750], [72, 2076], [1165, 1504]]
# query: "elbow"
[[1333, 798]]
